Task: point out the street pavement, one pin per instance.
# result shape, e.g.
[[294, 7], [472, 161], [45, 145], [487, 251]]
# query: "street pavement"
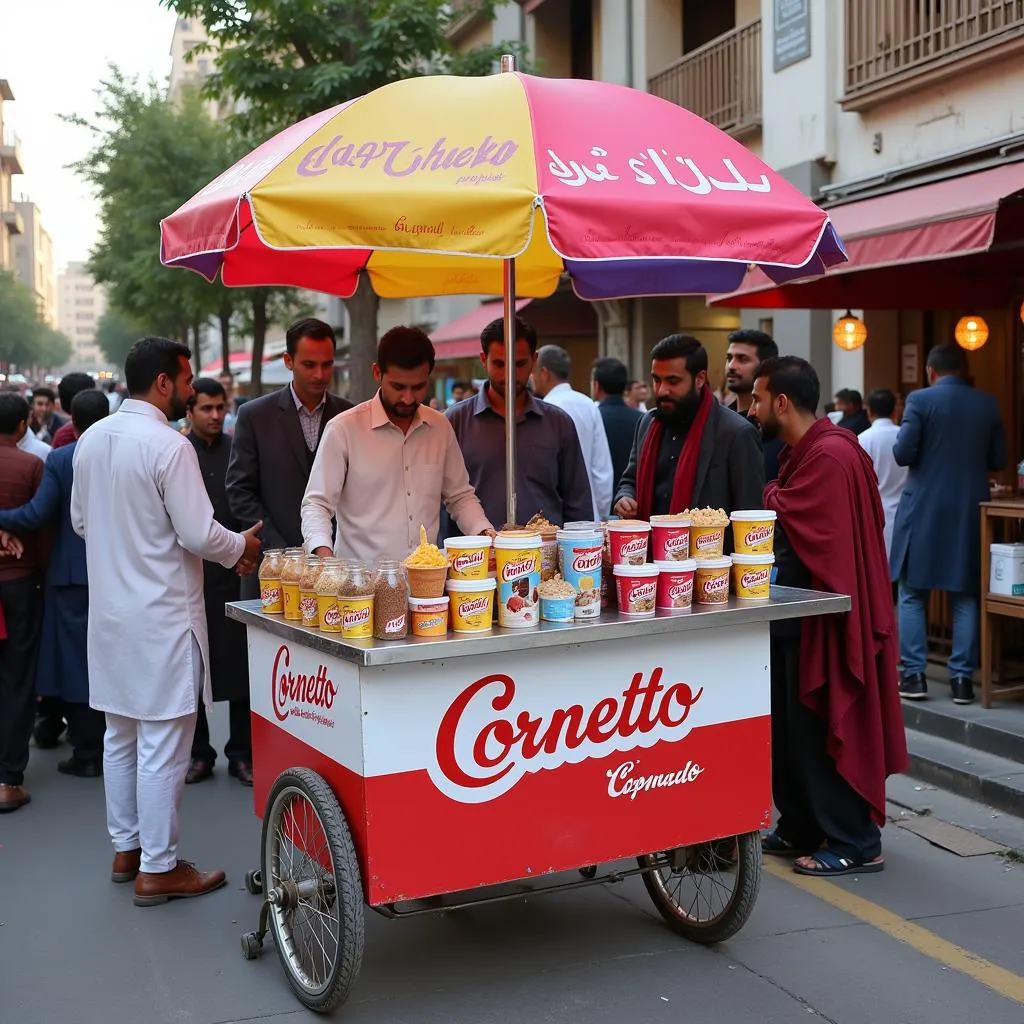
[[934, 939]]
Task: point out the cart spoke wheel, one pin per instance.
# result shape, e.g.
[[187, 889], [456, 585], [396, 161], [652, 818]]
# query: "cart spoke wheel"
[[706, 892], [311, 878]]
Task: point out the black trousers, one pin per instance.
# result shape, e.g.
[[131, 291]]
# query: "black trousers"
[[815, 802], [22, 602], [239, 745], [86, 727]]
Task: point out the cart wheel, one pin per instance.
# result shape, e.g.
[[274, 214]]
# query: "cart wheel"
[[252, 945], [254, 882], [314, 890], [706, 892]]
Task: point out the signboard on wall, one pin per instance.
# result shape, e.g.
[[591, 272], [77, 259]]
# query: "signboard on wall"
[[910, 368], [791, 32]]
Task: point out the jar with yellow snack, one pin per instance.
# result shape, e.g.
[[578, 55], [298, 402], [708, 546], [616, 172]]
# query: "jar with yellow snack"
[[291, 576], [707, 532], [326, 588], [427, 569], [307, 592], [271, 600]]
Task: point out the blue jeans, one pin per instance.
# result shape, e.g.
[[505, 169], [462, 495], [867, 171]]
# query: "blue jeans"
[[963, 658]]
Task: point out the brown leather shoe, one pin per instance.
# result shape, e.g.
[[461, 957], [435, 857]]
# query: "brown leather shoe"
[[12, 797], [126, 865], [198, 771], [241, 770], [182, 882]]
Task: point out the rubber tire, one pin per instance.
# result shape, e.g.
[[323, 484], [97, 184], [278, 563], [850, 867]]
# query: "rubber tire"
[[347, 883], [251, 946], [741, 905], [254, 883]]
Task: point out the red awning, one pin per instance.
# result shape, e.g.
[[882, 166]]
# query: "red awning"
[[460, 338], [898, 242]]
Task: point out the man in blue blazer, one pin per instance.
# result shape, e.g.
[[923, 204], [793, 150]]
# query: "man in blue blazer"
[[951, 438], [62, 670]]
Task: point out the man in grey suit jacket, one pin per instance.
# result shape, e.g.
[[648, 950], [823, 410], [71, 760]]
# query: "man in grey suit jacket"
[[276, 438], [729, 472], [951, 438]]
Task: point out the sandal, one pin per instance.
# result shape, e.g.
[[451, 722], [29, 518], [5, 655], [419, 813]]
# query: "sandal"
[[772, 843], [831, 865]]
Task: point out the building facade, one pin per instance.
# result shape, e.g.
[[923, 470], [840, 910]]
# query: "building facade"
[[10, 165], [81, 303], [33, 262]]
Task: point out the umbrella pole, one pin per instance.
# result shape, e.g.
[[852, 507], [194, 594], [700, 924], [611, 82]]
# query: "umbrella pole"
[[509, 316], [508, 64]]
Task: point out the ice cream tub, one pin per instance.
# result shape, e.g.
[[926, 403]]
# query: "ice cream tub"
[[557, 609], [629, 540], [711, 581], [752, 576], [753, 531], [581, 555], [471, 604], [429, 616], [637, 589], [356, 616], [328, 613], [518, 560], [675, 585], [468, 557], [577, 526], [707, 541], [670, 538]]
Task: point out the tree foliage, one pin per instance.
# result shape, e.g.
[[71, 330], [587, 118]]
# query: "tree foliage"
[[278, 61], [25, 339], [116, 332]]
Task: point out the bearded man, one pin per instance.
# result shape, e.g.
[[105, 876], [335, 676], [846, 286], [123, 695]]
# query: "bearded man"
[[689, 451]]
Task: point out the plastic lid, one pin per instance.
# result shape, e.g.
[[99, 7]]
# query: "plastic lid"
[[517, 541], [648, 569], [420, 604], [688, 565], [715, 563], [470, 586], [752, 515], [581, 525], [580, 537], [753, 559], [630, 526], [467, 542]]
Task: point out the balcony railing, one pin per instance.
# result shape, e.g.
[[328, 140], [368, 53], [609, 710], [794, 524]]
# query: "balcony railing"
[[720, 81], [896, 45], [10, 152]]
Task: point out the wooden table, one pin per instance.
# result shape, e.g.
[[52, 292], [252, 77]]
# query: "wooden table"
[[995, 607]]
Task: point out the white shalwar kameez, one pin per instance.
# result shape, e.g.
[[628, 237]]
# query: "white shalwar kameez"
[[139, 502]]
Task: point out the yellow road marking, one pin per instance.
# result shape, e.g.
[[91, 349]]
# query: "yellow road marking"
[[991, 975]]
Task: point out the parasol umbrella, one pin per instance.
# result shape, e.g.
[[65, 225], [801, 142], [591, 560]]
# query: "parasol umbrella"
[[500, 185]]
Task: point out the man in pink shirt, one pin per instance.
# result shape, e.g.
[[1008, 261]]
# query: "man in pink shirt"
[[384, 467]]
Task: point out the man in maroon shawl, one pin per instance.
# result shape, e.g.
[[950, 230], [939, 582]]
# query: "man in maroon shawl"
[[837, 725]]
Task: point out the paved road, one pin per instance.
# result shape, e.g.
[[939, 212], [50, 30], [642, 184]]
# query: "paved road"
[[74, 950]]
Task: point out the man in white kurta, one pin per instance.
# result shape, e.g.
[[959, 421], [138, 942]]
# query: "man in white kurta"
[[878, 441], [139, 502], [551, 380]]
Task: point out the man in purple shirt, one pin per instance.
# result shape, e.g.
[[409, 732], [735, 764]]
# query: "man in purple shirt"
[[551, 476]]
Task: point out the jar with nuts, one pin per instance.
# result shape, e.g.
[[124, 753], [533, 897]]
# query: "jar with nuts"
[[390, 601]]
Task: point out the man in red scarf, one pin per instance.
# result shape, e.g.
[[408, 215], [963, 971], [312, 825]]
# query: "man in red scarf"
[[837, 725], [689, 452]]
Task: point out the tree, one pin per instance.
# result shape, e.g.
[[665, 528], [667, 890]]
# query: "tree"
[[25, 339], [279, 61], [116, 332]]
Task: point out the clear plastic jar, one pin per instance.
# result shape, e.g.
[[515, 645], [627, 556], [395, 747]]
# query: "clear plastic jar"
[[307, 592], [291, 575], [390, 601], [326, 587], [271, 597]]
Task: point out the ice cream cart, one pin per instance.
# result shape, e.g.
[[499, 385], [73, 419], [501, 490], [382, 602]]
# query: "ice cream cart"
[[391, 774]]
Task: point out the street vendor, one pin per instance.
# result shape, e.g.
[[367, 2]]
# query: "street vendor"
[[385, 467], [689, 451], [837, 725]]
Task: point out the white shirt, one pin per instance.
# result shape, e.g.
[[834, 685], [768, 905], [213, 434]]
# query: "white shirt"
[[878, 441], [380, 484], [139, 502], [593, 440], [31, 444]]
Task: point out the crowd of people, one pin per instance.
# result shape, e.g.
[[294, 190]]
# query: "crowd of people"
[[121, 545]]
